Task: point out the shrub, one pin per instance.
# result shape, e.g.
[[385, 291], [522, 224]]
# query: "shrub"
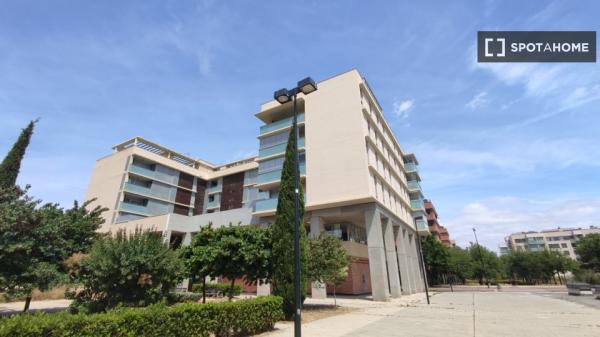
[[127, 270], [239, 318], [587, 276], [224, 288]]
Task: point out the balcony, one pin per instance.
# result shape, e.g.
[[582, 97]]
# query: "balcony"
[[410, 167], [417, 205], [213, 204], [133, 208], [214, 189], [277, 149], [147, 191], [414, 186], [280, 124], [422, 226], [275, 176], [265, 205]]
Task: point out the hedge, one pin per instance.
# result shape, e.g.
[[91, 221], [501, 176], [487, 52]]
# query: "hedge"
[[224, 288], [239, 318]]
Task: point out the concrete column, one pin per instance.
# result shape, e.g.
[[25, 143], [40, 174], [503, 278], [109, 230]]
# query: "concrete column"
[[187, 239], [167, 237], [392, 261], [377, 264], [413, 264], [404, 261], [316, 226], [263, 289], [318, 289]]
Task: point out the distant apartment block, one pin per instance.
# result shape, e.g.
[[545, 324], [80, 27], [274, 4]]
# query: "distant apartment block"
[[437, 230], [359, 184], [563, 240]]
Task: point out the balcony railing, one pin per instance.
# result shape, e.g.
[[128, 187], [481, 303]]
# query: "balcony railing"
[[277, 149], [214, 189], [213, 204], [265, 205], [274, 176], [133, 208], [147, 191], [410, 167], [422, 225], [280, 124], [413, 185], [417, 204]]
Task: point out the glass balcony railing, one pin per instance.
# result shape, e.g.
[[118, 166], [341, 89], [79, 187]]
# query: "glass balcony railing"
[[417, 204], [129, 187], [213, 204], [274, 176], [133, 208], [277, 149], [410, 167], [214, 189], [280, 124], [265, 205], [413, 185], [422, 225]]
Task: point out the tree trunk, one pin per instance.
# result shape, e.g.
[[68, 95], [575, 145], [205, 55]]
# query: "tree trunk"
[[191, 281], [203, 289], [27, 303], [334, 297], [231, 289]]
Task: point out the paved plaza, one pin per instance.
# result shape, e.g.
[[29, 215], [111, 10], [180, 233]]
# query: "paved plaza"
[[461, 314]]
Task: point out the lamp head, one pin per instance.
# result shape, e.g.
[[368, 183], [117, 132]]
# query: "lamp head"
[[282, 96], [307, 85]]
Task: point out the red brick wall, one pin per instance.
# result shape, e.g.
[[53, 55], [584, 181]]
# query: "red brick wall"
[[358, 280]]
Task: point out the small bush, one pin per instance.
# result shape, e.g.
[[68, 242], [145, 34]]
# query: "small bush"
[[237, 289], [587, 276], [239, 318]]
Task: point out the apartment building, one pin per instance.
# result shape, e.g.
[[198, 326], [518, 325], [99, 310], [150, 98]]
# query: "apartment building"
[[359, 184], [563, 240], [437, 230]]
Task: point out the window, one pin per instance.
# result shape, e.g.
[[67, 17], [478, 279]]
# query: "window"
[[564, 245], [214, 183], [211, 198]]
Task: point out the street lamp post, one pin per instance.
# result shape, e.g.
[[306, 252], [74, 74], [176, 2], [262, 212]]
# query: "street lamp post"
[[481, 257], [305, 86]]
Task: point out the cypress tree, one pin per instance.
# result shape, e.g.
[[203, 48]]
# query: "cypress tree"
[[10, 166], [283, 236]]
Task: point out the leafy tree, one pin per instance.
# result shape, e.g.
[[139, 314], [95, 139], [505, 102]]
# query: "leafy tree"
[[232, 252], [200, 257], [486, 264], [10, 166], [34, 242], [130, 270], [327, 261], [436, 258], [588, 249], [460, 264], [283, 236]]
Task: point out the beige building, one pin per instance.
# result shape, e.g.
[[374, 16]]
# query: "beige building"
[[563, 240], [360, 185]]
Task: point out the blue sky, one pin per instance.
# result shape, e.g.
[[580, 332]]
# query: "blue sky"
[[504, 147]]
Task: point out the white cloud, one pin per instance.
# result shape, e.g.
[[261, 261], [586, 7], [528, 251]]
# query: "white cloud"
[[478, 100], [496, 218], [402, 108]]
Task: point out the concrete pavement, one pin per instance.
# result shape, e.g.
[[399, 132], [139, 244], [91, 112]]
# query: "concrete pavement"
[[463, 314]]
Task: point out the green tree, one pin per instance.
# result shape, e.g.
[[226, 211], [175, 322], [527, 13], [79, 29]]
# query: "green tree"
[[327, 261], [34, 242], [10, 166], [283, 236], [200, 257], [436, 258], [130, 270], [486, 264], [460, 264], [588, 249]]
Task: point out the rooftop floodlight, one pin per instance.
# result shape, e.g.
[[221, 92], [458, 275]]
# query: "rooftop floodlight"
[[282, 96], [307, 85]]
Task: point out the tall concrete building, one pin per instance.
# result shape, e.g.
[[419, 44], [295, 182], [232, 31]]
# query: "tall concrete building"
[[563, 240], [359, 184], [437, 230]]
